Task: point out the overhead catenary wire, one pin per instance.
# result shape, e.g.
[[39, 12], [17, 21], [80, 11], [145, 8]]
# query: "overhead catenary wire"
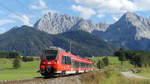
[[11, 11], [24, 6]]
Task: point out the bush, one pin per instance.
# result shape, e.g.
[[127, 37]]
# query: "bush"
[[16, 63], [105, 61], [100, 64], [27, 59], [121, 55]]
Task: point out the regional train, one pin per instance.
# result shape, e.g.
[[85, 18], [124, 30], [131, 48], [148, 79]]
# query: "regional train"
[[56, 61]]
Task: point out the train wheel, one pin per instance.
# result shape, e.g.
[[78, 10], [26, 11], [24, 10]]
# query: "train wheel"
[[62, 73], [77, 72]]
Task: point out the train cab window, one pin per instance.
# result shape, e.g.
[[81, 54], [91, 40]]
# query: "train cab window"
[[50, 54], [66, 60]]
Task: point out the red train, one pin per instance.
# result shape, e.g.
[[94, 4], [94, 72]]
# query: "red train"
[[56, 61]]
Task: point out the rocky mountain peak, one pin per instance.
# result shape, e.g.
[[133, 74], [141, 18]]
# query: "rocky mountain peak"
[[134, 19], [54, 23], [103, 26], [129, 15], [141, 24], [129, 31], [128, 18]]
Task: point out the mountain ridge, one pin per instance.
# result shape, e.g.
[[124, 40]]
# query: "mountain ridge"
[[128, 32], [54, 23], [29, 41]]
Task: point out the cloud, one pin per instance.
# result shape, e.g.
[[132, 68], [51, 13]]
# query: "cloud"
[[41, 5], [23, 18], [115, 18], [85, 12], [142, 5], [100, 14], [112, 7], [6, 21]]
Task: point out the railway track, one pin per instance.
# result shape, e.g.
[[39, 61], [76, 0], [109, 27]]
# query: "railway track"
[[21, 81], [41, 80]]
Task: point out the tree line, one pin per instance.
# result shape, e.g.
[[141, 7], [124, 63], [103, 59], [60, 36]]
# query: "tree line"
[[138, 58], [9, 54]]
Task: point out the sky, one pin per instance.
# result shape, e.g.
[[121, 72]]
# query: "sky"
[[26, 12]]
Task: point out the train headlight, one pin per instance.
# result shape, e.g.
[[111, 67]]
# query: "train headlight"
[[42, 67], [49, 63], [43, 62], [55, 61]]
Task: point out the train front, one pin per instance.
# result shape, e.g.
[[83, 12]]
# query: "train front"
[[48, 62]]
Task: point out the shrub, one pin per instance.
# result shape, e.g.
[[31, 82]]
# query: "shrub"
[[16, 63], [105, 61], [27, 59], [100, 64]]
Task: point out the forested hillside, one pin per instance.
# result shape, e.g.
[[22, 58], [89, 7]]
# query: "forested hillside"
[[29, 41]]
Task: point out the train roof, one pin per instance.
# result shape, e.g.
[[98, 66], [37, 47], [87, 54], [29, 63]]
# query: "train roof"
[[74, 57], [54, 48], [77, 58]]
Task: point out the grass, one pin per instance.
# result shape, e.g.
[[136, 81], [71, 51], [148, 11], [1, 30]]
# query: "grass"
[[114, 77], [27, 70], [111, 74], [144, 72], [115, 63], [115, 68], [113, 59]]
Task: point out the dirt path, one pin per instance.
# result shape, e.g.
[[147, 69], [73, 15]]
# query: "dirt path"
[[132, 75]]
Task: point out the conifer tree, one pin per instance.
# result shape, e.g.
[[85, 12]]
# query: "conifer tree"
[[16, 63]]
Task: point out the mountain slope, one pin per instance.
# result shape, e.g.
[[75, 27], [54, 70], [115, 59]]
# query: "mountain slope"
[[84, 41], [29, 41], [54, 23], [128, 32], [26, 40]]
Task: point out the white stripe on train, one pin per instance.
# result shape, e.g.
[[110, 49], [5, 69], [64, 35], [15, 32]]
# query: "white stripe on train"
[[73, 72]]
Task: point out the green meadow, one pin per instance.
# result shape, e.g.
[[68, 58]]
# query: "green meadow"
[[27, 70], [110, 76]]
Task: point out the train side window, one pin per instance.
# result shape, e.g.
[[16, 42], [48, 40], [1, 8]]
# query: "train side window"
[[66, 60], [76, 64], [79, 64]]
